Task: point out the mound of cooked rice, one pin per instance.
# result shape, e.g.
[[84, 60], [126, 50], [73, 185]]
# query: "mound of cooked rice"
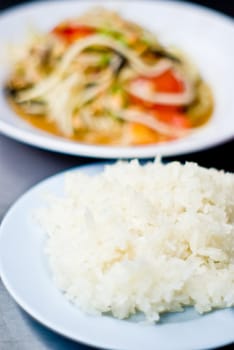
[[150, 238]]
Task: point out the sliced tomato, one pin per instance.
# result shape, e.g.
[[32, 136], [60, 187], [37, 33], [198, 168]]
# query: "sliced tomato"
[[174, 118], [168, 82], [166, 109], [72, 32], [171, 115], [134, 100]]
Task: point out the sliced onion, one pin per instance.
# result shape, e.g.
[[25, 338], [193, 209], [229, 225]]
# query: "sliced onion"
[[61, 102], [92, 92], [94, 40], [134, 60], [152, 122], [39, 90]]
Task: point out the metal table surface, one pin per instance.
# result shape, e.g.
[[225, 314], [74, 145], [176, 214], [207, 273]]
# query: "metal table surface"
[[21, 167]]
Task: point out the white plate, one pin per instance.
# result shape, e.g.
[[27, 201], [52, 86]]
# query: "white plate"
[[206, 35], [25, 273]]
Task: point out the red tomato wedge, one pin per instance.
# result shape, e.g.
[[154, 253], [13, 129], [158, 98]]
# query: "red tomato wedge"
[[174, 118], [167, 82], [172, 115], [72, 32]]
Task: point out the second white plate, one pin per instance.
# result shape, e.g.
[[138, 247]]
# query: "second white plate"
[[25, 272]]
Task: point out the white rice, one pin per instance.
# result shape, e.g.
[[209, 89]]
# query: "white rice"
[[150, 238]]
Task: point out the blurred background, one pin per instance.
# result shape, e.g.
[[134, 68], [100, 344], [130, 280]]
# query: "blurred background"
[[225, 6]]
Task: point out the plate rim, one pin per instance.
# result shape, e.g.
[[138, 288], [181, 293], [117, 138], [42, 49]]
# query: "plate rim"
[[52, 143], [95, 168]]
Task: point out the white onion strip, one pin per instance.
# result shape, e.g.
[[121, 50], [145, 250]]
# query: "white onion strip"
[[47, 84], [152, 122], [93, 92], [111, 43], [39, 90]]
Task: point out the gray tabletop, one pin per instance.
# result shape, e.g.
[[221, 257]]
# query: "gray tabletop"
[[21, 167]]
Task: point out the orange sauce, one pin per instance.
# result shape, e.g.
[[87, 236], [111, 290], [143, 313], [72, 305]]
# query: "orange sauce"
[[49, 126], [98, 138]]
